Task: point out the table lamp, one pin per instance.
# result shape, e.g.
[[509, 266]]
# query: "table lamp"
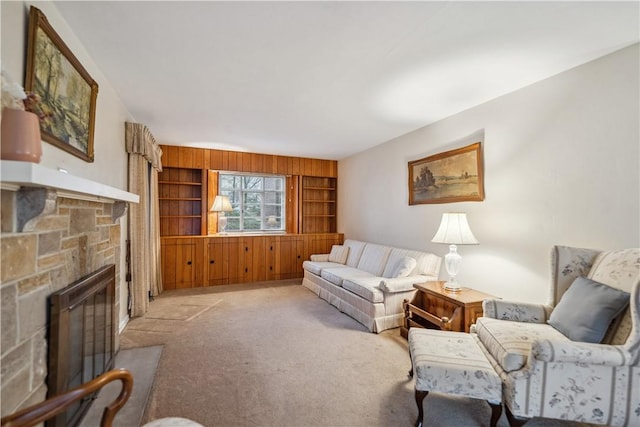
[[454, 230], [221, 204]]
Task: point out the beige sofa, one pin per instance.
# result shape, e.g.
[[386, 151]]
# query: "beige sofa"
[[368, 281]]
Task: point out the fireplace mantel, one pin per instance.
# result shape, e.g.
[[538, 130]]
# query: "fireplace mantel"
[[14, 175]]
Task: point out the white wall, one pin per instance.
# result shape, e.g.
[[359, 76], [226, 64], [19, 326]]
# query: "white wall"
[[562, 162], [110, 165]]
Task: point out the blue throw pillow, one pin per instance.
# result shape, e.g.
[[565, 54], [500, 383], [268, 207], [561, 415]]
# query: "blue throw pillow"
[[586, 310]]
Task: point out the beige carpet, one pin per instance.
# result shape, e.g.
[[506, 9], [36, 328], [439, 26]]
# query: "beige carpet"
[[274, 354], [167, 316]]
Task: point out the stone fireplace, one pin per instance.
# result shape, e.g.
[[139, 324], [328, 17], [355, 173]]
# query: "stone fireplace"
[[50, 238]]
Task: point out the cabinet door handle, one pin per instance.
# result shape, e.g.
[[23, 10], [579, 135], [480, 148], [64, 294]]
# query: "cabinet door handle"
[[271, 267], [188, 262], [270, 248], [212, 261], [298, 256], [246, 249], [246, 270]]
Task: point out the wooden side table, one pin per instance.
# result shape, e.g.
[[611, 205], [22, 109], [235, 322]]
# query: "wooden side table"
[[436, 308]]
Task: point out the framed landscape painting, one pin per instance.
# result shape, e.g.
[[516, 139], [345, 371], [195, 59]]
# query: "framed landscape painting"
[[451, 176], [67, 93]]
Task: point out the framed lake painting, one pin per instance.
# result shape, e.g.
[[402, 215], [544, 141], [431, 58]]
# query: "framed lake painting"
[[451, 176], [66, 93]]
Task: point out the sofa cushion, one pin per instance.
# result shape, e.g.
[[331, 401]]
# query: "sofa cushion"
[[427, 264], [316, 267], [339, 254], [403, 267], [355, 251], [337, 275], [586, 310], [509, 342], [374, 258], [366, 288]]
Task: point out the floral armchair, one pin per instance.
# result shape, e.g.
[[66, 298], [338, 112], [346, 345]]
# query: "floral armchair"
[[546, 374]]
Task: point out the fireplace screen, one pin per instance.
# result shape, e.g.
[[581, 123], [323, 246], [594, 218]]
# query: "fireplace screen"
[[81, 337]]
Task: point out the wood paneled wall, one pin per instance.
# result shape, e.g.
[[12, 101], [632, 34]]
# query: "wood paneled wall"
[[191, 262], [201, 158]]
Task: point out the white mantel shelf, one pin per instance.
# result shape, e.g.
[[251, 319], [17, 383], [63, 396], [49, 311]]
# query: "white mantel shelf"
[[14, 175]]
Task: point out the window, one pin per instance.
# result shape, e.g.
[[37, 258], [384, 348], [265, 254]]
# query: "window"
[[258, 201]]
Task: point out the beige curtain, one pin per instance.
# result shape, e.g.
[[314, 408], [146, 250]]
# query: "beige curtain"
[[144, 221]]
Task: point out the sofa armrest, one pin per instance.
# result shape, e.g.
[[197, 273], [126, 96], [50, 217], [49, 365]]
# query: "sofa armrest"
[[402, 284], [580, 352], [320, 258], [515, 311]]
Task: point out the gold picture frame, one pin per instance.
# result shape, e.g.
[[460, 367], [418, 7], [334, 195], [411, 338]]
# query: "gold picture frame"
[[451, 176], [67, 93]]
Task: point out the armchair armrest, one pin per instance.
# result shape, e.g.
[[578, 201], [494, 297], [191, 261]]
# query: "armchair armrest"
[[580, 352], [515, 311], [53, 406], [320, 258], [400, 284]]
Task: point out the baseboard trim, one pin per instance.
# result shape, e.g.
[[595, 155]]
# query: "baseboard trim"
[[123, 323]]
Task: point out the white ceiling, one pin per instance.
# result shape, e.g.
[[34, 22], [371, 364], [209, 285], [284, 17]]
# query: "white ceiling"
[[330, 79]]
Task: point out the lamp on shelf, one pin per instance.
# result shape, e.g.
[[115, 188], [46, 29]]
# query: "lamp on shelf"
[[454, 230], [221, 204]]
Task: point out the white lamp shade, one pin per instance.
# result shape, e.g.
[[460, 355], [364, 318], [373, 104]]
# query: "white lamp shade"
[[454, 229], [221, 204]]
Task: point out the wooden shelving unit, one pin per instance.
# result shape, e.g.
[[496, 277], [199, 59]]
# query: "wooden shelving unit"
[[193, 255], [319, 204], [181, 202]]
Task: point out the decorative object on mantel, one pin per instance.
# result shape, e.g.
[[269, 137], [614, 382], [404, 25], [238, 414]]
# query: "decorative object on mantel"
[[20, 137], [66, 90], [454, 230], [450, 176], [221, 204]]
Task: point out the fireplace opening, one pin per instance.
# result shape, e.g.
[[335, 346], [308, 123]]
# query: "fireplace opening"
[[81, 338]]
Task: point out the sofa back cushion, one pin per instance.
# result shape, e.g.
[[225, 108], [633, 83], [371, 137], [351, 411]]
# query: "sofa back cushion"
[[427, 264], [339, 254], [403, 267], [374, 258], [355, 251]]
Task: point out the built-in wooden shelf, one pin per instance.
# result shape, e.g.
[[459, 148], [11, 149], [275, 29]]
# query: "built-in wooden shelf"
[[321, 188], [179, 183], [180, 193], [319, 204]]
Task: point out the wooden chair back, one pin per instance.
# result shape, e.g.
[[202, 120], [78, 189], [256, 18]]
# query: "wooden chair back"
[[43, 411]]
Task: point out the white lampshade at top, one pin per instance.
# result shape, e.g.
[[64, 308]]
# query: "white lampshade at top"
[[221, 204], [454, 229]]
